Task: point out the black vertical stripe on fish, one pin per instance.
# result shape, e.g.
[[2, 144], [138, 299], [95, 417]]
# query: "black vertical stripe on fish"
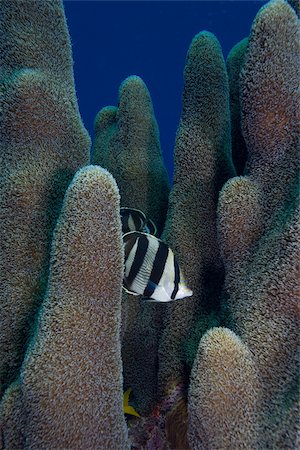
[[176, 279], [138, 222], [159, 264], [139, 256], [128, 245], [132, 219], [149, 289], [124, 221]]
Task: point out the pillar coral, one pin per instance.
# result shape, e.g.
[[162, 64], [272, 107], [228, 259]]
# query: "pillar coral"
[[202, 165], [105, 127], [71, 386], [127, 144], [223, 394], [234, 64], [42, 144], [259, 221]]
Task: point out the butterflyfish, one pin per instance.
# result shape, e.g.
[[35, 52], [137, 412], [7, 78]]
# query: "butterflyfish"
[[135, 220], [151, 269], [132, 219]]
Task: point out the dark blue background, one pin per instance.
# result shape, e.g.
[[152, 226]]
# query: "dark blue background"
[[114, 39]]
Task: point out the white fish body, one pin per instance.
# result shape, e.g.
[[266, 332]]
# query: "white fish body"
[[151, 269]]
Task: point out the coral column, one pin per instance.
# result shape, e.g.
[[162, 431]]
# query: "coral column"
[[42, 144], [70, 388], [202, 165], [259, 221]]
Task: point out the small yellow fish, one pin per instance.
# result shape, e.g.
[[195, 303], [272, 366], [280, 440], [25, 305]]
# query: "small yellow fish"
[[127, 408]]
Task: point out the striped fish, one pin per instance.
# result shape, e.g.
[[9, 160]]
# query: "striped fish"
[[132, 219], [135, 220], [151, 269]]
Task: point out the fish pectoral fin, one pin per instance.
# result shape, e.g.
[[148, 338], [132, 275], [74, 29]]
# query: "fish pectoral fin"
[[130, 410]]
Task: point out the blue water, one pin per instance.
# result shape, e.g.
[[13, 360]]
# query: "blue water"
[[112, 40]]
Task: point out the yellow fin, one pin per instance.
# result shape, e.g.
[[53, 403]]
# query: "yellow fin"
[[127, 408], [130, 410], [126, 397]]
